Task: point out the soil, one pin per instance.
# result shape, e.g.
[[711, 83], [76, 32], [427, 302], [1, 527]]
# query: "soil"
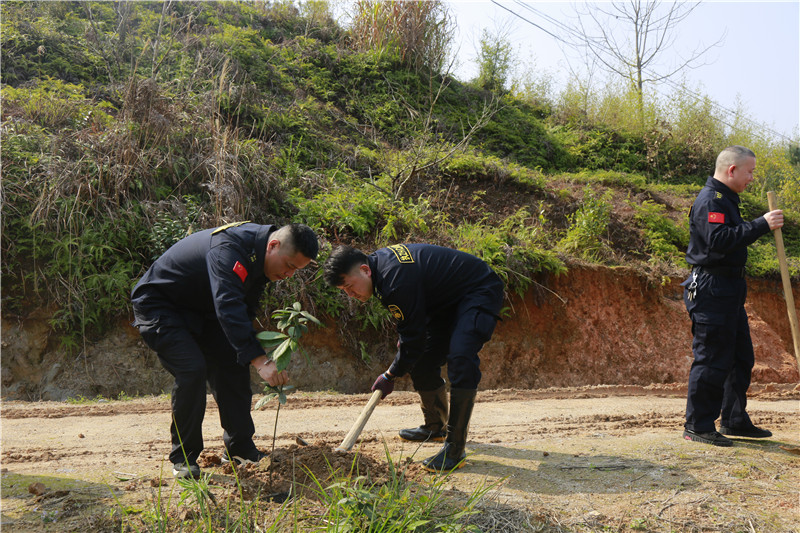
[[594, 458], [591, 326]]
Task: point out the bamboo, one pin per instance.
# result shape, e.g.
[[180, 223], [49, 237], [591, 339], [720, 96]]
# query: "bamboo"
[[787, 282]]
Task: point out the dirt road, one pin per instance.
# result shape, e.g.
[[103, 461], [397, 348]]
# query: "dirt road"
[[581, 459]]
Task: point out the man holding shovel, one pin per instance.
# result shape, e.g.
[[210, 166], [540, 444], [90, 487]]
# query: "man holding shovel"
[[714, 296], [446, 303], [195, 307]]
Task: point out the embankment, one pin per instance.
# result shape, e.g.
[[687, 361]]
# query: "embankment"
[[591, 326]]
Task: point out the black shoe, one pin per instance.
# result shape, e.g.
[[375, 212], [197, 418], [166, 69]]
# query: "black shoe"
[[751, 432], [182, 470], [712, 437], [245, 459], [422, 434]]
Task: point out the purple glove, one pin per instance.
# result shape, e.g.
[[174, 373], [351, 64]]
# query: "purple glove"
[[384, 383]]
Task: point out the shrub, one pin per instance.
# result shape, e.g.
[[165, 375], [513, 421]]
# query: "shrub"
[[419, 33], [587, 226], [515, 249], [664, 239], [54, 104]]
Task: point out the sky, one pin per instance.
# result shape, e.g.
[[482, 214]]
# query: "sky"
[[756, 67]]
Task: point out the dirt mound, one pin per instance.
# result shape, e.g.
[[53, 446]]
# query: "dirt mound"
[[307, 468]]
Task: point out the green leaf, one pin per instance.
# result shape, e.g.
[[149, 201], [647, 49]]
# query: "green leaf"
[[266, 399], [311, 317], [283, 355], [270, 335]]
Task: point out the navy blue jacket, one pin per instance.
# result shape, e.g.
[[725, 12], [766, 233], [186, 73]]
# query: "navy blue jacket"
[[718, 235], [212, 274], [418, 281]]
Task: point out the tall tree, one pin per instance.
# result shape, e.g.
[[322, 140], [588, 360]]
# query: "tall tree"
[[631, 39]]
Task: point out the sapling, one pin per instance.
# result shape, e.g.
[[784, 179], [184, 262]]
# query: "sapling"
[[280, 345]]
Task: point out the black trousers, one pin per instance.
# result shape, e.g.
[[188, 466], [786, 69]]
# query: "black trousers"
[[455, 337], [195, 358], [723, 355]]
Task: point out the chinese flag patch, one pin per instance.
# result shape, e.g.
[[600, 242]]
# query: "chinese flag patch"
[[240, 270], [716, 218]]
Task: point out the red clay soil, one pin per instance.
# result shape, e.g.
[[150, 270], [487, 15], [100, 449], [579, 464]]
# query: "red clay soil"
[[591, 326]]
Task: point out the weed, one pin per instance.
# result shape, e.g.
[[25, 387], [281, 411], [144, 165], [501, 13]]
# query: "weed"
[[588, 225], [664, 239], [358, 504], [83, 400]]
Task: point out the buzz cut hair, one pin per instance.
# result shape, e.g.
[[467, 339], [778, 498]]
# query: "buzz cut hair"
[[298, 238], [732, 155], [341, 262]]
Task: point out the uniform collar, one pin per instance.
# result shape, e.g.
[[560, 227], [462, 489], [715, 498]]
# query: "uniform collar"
[[724, 189]]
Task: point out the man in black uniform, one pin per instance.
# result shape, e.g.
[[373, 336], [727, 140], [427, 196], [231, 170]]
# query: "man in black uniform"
[[195, 307], [446, 303], [714, 296]]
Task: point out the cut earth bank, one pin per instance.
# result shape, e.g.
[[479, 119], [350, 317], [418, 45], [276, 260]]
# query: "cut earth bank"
[[591, 326]]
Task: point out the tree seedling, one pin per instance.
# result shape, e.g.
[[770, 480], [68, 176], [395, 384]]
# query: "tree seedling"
[[292, 322]]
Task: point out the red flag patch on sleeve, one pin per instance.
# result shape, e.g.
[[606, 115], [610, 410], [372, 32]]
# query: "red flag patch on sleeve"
[[240, 270], [716, 218]]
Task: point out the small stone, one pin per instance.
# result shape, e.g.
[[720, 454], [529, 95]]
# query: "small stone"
[[37, 488]]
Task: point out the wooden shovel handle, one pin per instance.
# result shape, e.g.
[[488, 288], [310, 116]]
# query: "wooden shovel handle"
[[787, 282], [355, 431]]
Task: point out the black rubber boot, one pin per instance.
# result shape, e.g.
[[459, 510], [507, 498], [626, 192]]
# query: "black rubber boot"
[[452, 454], [434, 412]]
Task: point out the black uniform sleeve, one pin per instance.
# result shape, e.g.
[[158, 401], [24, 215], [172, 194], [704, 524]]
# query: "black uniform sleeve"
[[716, 220], [407, 303], [228, 273]]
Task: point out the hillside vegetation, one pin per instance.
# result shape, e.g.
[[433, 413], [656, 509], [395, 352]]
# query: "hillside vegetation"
[[126, 126]]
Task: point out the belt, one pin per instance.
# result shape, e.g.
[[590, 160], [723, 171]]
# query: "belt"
[[726, 272]]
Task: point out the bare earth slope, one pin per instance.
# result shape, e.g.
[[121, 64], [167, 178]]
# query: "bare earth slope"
[[575, 459]]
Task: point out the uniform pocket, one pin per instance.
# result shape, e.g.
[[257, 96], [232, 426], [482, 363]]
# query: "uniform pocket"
[[718, 300], [484, 325]]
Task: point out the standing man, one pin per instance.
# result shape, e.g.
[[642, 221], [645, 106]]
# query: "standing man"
[[714, 296], [195, 307], [446, 303]]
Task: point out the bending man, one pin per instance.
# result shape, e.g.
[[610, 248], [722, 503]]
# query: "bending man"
[[195, 307], [446, 303]]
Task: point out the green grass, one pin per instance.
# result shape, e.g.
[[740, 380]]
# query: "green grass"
[[346, 502], [82, 400]]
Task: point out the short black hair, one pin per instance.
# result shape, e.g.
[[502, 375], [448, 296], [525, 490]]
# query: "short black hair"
[[341, 261], [301, 239]]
